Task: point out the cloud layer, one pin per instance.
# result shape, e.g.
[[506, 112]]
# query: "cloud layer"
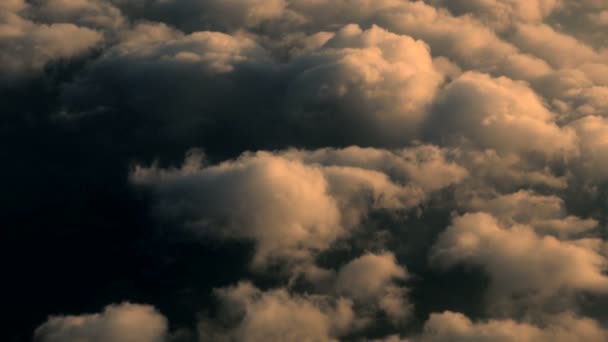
[[386, 170]]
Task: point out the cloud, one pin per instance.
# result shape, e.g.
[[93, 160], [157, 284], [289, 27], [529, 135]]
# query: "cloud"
[[120, 323], [546, 214], [520, 262], [502, 13], [255, 315], [288, 203], [451, 326], [95, 14], [491, 171], [373, 79], [283, 205], [560, 50], [28, 46], [211, 52], [462, 39], [372, 85], [426, 165], [499, 114], [217, 15], [593, 133], [370, 279]]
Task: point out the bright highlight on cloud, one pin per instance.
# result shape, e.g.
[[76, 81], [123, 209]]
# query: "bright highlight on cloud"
[[305, 170]]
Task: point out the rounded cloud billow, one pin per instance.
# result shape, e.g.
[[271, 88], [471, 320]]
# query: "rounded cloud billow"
[[304, 170]]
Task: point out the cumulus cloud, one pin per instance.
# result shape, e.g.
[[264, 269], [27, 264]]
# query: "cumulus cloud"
[[294, 203], [158, 44], [520, 262], [372, 85], [284, 205], [255, 315], [193, 15], [123, 322], [499, 114], [370, 279], [546, 214], [96, 14], [593, 133], [28, 46], [502, 13], [507, 172], [426, 165], [372, 80], [451, 326], [561, 50]]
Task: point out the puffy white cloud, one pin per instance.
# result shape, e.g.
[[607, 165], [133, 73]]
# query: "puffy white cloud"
[[499, 114], [121, 323], [454, 327], [373, 85], [521, 263], [463, 39], [283, 205], [290, 207], [370, 280], [276, 315]]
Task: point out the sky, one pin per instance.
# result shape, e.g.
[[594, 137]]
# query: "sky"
[[304, 170]]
